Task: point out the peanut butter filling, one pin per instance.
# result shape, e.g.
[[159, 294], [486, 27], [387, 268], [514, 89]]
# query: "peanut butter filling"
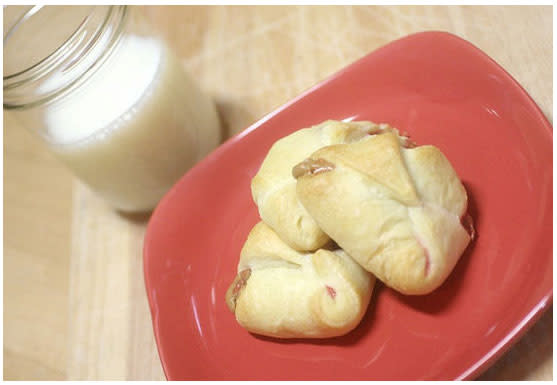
[[468, 224], [312, 167], [355, 134], [236, 287], [408, 143]]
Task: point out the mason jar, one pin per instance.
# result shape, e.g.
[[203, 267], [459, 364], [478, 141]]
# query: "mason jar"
[[108, 97]]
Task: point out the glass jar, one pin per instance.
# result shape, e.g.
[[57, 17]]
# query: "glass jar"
[[108, 97]]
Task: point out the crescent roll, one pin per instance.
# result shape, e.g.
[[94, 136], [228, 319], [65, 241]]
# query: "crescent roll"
[[284, 293], [397, 211], [274, 188]]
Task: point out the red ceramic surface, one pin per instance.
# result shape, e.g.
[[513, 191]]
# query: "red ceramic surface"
[[442, 91]]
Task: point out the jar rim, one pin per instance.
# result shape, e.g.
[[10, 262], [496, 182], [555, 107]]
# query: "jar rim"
[[90, 43]]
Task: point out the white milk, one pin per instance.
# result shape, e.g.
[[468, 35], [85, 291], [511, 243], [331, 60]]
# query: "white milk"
[[135, 127]]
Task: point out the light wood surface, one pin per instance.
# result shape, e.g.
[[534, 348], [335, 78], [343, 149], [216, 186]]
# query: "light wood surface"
[[74, 301]]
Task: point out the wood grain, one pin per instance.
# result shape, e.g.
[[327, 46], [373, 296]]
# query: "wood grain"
[[74, 300]]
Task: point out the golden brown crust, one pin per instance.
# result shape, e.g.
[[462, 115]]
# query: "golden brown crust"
[[274, 187], [289, 294], [395, 210], [393, 207], [379, 158]]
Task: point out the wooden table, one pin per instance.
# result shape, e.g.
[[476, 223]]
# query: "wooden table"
[[74, 300]]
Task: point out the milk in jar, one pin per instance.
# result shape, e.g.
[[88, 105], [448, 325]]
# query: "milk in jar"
[[134, 126], [135, 129]]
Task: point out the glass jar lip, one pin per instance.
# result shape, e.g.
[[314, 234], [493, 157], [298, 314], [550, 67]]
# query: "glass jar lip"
[[22, 88], [42, 62]]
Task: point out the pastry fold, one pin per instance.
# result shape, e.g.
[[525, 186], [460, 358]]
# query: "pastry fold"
[[397, 211], [284, 293], [274, 188]]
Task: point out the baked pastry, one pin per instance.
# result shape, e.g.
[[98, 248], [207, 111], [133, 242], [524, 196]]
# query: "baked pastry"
[[284, 293], [397, 211], [274, 189]]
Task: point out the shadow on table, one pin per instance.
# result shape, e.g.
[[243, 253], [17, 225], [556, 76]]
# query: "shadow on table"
[[136, 218], [234, 117]]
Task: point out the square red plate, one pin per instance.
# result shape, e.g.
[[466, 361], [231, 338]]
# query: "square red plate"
[[442, 91]]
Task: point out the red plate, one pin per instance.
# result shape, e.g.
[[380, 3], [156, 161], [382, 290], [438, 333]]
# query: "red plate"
[[441, 90]]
